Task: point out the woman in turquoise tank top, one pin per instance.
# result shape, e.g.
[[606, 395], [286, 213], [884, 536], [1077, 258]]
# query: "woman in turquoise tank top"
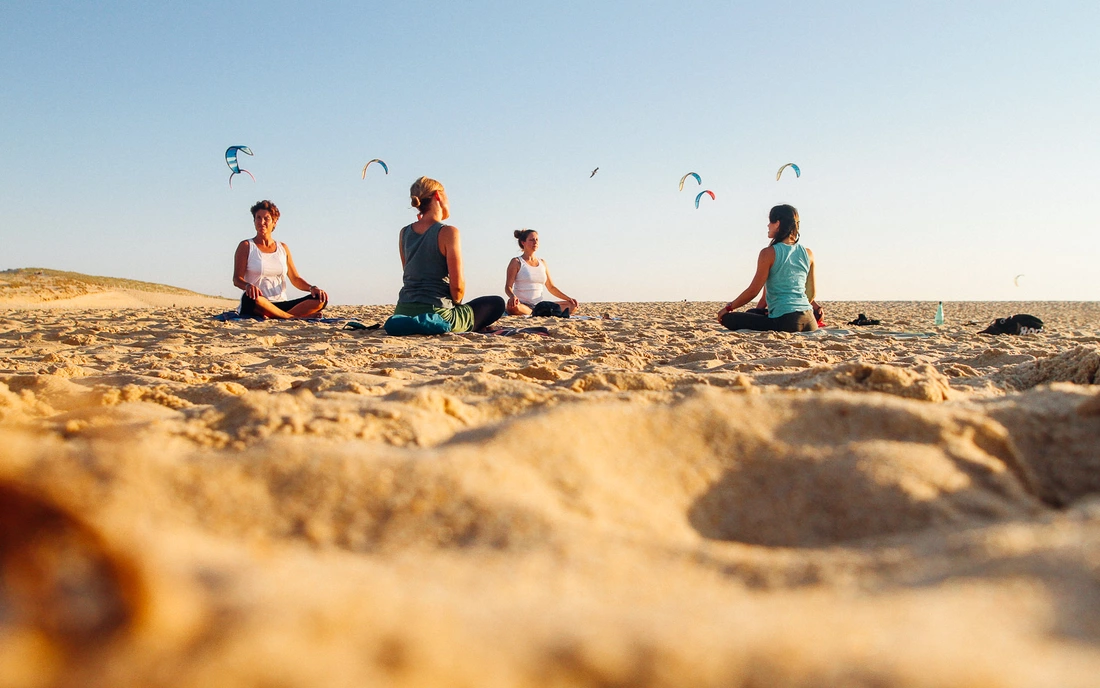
[[431, 262], [785, 269]]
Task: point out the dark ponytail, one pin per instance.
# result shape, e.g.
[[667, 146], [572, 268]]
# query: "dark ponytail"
[[787, 217]]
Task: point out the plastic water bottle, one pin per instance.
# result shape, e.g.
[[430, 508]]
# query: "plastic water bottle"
[[939, 314]]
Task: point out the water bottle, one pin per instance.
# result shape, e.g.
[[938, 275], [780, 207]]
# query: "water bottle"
[[939, 314]]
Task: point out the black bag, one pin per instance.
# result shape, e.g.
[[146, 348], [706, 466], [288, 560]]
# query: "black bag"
[[1021, 323], [546, 309], [864, 320]]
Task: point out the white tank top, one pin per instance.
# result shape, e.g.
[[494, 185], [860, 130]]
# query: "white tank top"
[[529, 282], [267, 271]]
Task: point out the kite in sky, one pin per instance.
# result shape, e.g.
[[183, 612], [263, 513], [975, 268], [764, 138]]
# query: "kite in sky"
[[384, 166], [797, 172], [594, 173], [690, 174], [231, 160], [706, 191], [1016, 280]]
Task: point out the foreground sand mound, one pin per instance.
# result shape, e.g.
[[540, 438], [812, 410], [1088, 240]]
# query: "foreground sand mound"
[[648, 501], [1056, 431], [1080, 366], [579, 531], [921, 382]]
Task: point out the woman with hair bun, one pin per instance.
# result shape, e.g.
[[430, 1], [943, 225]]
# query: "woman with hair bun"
[[528, 278], [431, 260], [262, 267], [785, 270]]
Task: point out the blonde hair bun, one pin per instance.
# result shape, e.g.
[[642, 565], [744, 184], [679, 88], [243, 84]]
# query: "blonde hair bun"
[[422, 190]]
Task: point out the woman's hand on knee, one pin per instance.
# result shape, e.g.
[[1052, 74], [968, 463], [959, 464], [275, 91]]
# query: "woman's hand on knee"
[[725, 310]]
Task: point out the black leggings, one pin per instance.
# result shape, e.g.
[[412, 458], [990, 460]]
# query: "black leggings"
[[799, 321], [248, 305], [487, 310]]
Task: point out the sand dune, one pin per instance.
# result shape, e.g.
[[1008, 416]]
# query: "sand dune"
[[40, 288], [645, 500]]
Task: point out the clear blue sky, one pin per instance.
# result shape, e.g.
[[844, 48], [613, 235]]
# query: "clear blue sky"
[[945, 147]]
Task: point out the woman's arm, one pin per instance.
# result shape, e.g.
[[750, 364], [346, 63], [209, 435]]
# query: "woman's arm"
[[296, 279], [240, 265], [811, 281], [401, 246], [510, 281], [449, 245], [554, 290], [763, 265]]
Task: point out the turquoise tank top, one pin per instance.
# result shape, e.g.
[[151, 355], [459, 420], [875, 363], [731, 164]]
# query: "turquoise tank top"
[[426, 277], [786, 283]]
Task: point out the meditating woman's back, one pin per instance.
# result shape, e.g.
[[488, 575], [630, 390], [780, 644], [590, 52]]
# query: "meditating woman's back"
[[786, 285], [425, 274]]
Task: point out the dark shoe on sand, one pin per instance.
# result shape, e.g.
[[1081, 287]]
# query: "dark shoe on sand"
[[864, 320]]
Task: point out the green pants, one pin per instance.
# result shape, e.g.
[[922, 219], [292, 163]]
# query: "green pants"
[[461, 317]]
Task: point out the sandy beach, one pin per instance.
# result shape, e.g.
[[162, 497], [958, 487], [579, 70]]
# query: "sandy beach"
[[639, 498]]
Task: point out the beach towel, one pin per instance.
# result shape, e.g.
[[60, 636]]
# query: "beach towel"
[[899, 335], [356, 325], [234, 316]]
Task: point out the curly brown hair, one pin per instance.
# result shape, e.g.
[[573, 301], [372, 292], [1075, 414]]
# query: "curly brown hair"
[[265, 205]]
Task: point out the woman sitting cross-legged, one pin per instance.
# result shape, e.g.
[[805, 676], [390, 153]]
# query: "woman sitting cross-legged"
[[262, 267], [431, 261], [786, 269], [528, 279]]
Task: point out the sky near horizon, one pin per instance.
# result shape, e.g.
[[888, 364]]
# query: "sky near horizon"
[[945, 147]]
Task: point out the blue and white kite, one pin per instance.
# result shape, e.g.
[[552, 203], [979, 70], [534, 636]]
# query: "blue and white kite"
[[690, 174], [797, 172], [231, 160], [384, 167]]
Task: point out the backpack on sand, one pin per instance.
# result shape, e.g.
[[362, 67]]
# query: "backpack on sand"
[[548, 309], [1021, 323]]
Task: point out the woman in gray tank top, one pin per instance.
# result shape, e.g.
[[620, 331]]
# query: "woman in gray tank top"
[[431, 260]]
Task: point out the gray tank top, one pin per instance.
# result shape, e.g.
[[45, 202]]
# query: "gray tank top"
[[426, 278]]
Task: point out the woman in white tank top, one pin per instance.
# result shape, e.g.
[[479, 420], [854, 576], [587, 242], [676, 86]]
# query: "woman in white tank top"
[[262, 267], [528, 279]]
